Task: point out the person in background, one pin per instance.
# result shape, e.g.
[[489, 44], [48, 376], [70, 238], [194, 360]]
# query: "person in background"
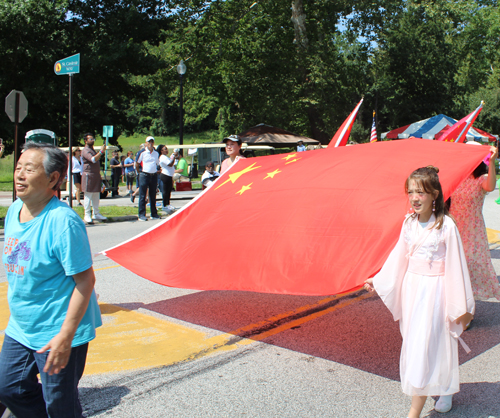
[[91, 178], [77, 172], [167, 173], [130, 174], [138, 170], [233, 148], [301, 147], [181, 168], [116, 174], [148, 179], [210, 175], [2, 148], [53, 306], [467, 209], [122, 163]]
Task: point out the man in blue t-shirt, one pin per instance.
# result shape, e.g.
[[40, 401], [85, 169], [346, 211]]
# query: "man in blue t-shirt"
[[53, 306]]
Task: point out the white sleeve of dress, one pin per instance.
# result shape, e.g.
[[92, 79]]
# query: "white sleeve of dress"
[[458, 290], [388, 281]]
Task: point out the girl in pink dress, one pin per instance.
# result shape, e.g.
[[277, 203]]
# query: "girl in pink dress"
[[467, 209], [425, 284]]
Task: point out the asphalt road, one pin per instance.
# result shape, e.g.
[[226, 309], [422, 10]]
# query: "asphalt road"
[[166, 352]]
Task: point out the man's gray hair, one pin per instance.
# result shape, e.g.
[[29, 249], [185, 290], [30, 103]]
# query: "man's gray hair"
[[55, 160]]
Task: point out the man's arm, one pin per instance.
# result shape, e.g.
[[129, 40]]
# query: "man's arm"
[[60, 345]]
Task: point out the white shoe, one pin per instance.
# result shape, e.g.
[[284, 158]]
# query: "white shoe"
[[99, 217], [87, 219], [443, 404]]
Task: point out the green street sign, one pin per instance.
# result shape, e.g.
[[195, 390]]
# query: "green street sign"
[[107, 131], [70, 65]]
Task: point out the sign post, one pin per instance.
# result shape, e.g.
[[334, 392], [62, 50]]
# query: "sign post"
[[16, 107], [69, 66], [107, 132]]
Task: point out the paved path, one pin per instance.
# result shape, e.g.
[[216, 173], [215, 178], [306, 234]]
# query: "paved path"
[[166, 352]]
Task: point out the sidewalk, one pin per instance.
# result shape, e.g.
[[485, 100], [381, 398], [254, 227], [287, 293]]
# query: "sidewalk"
[[178, 200], [123, 200]]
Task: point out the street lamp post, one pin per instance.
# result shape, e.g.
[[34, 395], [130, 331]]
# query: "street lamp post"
[[181, 69]]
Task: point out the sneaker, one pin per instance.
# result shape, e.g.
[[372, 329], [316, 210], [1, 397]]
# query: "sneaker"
[[88, 220], [132, 198], [443, 404], [156, 217], [168, 209], [143, 218], [99, 217]]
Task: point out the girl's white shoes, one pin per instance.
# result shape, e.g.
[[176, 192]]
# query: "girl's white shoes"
[[443, 404]]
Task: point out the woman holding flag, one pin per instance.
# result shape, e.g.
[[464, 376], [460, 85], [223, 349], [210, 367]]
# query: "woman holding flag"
[[467, 207]]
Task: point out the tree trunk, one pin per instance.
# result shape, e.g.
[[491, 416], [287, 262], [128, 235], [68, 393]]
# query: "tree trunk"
[[299, 24]]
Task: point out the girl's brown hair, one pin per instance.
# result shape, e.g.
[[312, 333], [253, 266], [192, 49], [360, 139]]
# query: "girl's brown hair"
[[427, 178]]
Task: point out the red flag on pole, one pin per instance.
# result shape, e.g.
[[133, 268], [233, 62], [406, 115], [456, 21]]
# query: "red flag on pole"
[[342, 135], [309, 223], [373, 136], [458, 132]]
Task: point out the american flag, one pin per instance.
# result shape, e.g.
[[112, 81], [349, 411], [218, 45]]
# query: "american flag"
[[373, 135]]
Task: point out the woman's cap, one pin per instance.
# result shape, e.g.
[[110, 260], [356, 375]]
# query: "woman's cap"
[[234, 138]]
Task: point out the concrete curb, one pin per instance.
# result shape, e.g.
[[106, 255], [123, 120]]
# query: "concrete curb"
[[115, 219]]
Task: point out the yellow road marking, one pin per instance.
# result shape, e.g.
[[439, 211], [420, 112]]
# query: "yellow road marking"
[[105, 268], [131, 340], [493, 236]]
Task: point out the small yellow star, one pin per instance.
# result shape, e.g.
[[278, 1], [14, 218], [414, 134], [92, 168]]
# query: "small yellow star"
[[271, 175], [296, 159], [244, 189], [289, 156], [235, 176]]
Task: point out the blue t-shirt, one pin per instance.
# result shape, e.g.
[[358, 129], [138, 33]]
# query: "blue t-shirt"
[[129, 160], [40, 257]]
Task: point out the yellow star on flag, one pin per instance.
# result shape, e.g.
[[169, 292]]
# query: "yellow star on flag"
[[289, 156], [244, 189], [271, 175], [288, 162], [235, 176]]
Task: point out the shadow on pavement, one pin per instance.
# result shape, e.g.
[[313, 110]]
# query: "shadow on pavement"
[[100, 399], [478, 400], [362, 335]]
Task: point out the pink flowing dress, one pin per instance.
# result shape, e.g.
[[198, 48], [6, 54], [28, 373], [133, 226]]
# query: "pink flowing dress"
[[425, 284], [467, 209]]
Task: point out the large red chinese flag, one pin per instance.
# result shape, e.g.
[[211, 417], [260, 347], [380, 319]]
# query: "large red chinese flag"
[[310, 223]]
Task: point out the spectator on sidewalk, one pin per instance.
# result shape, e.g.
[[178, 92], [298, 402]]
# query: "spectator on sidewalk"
[[76, 172], [210, 175], [301, 147], [233, 149], [181, 168], [167, 173], [138, 169], [91, 178], [53, 307], [116, 174], [130, 173], [148, 179]]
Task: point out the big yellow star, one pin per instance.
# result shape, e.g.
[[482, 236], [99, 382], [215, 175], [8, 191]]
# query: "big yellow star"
[[235, 176], [271, 175], [296, 159], [289, 156], [244, 189]]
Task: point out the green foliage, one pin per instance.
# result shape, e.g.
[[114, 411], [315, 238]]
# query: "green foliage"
[[297, 65]]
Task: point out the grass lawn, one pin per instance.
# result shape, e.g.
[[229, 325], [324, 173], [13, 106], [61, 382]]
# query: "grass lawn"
[[108, 211]]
